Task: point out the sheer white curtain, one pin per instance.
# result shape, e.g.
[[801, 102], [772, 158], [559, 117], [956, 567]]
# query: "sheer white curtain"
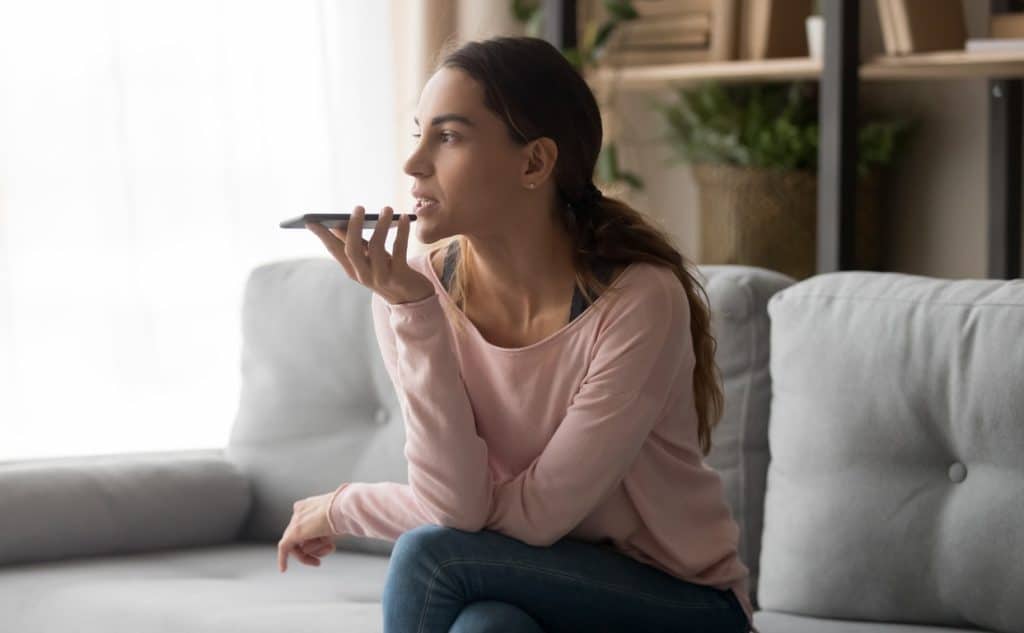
[[148, 150]]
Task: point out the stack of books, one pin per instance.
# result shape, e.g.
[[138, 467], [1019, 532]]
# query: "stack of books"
[[918, 26], [672, 32], [1006, 31]]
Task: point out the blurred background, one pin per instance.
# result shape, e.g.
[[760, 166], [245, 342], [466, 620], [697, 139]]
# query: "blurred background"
[[148, 151]]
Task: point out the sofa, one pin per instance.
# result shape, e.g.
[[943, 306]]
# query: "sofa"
[[872, 451]]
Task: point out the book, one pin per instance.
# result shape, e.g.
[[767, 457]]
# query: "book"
[[672, 31], [679, 29], [654, 57], [724, 21], [900, 27], [994, 44], [774, 28], [671, 8], [892, 46], [687, 39], [1006, 25], [929, 25]]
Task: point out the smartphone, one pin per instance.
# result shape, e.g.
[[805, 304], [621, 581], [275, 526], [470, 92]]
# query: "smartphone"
[[338, 220]]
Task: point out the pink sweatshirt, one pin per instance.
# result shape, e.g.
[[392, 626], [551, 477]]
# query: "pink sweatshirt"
[[590, 433]]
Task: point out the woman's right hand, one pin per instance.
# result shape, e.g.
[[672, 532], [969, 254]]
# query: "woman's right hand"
[[369, 264], [314, 549]]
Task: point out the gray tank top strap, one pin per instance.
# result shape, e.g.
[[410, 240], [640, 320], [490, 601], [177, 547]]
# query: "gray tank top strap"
[[449, 264], [579, 303], [603, 271]]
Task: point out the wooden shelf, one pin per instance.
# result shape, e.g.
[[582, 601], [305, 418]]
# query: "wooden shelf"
[[653, 77], [946, 65], [941, 65]]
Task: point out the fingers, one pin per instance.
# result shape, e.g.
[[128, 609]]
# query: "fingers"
[[335, 246], [318, 547], [306, 552], [342, 235], [309, 551], [366, 261], [401, 242], [282, 555], [354, 248], [303, 557], [340, 232], [378, 256]]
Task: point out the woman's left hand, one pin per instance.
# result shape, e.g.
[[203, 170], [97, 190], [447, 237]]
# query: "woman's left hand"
[[308, 525], [369, 263]]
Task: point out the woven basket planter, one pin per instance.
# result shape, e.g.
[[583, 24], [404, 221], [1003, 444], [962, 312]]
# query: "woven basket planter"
[[768, 218]]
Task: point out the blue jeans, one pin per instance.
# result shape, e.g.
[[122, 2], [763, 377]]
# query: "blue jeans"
[[443, 580]]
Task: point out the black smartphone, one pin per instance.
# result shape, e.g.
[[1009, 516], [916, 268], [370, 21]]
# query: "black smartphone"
[[338, 220]]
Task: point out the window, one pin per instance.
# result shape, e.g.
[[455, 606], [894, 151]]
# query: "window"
[[148, 151]]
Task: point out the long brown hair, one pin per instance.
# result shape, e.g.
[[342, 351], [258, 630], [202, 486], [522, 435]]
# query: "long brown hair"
[[529, 84]]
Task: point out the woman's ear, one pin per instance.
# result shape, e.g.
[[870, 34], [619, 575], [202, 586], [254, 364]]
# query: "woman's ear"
[[541, 154]]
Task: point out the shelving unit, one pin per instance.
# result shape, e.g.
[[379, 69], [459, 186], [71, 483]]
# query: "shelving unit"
[[840, 73], [945, 65]]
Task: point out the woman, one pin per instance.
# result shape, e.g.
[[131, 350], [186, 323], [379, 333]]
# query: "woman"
[[555, 367]]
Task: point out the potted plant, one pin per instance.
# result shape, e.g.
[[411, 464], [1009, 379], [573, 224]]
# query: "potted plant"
[[754, 150]]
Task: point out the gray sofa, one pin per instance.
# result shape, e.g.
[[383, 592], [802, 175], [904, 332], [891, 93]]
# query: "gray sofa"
[[892, 498]]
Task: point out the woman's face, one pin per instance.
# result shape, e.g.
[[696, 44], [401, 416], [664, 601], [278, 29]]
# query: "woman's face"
[[465, 160]]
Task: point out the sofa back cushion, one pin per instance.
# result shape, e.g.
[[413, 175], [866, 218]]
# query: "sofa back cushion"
[[896, 483], [317, 407], [739, 298], [103, 505]]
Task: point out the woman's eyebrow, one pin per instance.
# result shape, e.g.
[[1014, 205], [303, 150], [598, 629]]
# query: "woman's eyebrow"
[[441, 118]]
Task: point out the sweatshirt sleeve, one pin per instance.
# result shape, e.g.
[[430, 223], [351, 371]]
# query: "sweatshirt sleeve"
[[643, 352], [449, 478], [382, 510]]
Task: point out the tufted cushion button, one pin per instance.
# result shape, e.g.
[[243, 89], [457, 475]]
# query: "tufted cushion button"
[[957, 472], [382, 416]]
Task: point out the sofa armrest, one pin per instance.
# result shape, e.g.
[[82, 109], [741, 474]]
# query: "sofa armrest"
[[60, 508]]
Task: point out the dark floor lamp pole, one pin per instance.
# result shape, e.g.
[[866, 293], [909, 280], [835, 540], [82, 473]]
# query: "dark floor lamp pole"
[[837, 147], [1004, 169], [560, 23]]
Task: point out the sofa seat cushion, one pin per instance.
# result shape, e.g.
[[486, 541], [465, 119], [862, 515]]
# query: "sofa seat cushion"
[[777, 622], [234, 587]]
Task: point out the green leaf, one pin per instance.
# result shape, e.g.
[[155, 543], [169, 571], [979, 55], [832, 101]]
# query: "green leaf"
[[573, 55], [606, 167], [523, 10], [602, 35], [632, 180], [591, 35], [621, 9], [535, 26]]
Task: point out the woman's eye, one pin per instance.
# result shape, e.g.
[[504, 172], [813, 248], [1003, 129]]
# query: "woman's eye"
[[442, 135]]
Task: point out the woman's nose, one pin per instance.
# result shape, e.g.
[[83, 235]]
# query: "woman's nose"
[[418, 163], [415, 165]]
